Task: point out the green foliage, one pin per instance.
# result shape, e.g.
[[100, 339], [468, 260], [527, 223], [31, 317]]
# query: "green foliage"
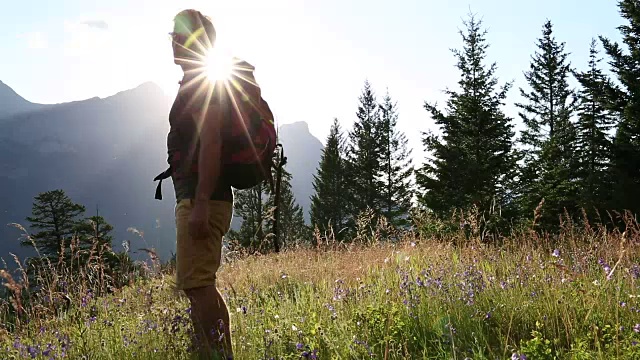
[[418, 299], [328, 203], [292, 228], [250, 205], [472, 162], [624, 100], [256, 207], [539, 347], [56, 217], [363, 158], [95, 231], [551, 166], [396, 167], [593, 141]]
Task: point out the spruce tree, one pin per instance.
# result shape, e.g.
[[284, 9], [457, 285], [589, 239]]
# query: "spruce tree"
[[291, 225], [473, 162], [328, 203], [594, 145], [396, 167], [363, 154], [624, 100], [56, 217], [550, 167], [95, 230], [250, 205]]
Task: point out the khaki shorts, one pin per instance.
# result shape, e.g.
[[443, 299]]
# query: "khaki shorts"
[[197, 261]]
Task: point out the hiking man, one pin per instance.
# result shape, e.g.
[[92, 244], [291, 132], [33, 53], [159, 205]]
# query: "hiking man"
[[222, 135], [204, 200]]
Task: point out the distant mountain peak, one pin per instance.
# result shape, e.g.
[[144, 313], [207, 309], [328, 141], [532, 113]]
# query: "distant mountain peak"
[[148, 87], [296, 126], [6, 92], [11, 102]]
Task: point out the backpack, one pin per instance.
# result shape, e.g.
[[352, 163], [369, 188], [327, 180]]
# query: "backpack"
[[248, 134]]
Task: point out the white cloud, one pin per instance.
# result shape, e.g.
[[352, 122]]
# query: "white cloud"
[[97, 24], [34, 40], [84, 37]]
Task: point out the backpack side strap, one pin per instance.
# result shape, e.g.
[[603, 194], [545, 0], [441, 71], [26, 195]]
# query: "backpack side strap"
[[163, 175]]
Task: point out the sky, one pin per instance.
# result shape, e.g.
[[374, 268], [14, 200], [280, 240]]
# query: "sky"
[[311, 57]]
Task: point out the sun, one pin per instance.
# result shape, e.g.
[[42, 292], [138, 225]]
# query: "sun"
[[218, 65]]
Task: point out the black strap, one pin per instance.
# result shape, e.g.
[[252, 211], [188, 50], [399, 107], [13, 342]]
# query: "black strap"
[[164, 175]]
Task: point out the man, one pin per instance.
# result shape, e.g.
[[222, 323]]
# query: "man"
[[204, 200]]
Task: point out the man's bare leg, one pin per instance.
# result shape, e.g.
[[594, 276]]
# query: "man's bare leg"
[[208, 310]]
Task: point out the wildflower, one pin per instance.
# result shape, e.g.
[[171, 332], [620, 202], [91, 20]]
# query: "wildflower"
[[556, 253], [32, 351], [636, 328]]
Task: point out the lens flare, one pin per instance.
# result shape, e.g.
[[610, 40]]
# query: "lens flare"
[[218, 66]]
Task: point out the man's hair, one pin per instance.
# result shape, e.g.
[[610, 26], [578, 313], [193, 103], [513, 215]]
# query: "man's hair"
[[197, 26]]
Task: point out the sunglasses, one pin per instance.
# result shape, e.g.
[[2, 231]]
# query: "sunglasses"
[[186, 39], [179, 37]]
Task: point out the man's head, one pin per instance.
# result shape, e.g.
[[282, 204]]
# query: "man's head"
[[193, 35]]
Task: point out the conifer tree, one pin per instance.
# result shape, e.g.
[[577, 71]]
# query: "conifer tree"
[[291, 225], [473, 162], [550, 167], [328, 203], [624, 100], [363, 154], [396, 167], [594, 145], [250, 205], [56, 217], [95, 229]]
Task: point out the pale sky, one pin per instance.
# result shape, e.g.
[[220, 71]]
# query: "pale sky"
[[311, 57]]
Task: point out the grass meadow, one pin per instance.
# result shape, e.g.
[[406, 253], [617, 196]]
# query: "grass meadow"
[[574, 296]]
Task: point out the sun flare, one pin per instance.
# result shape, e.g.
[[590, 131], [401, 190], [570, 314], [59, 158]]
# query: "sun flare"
[[218, 66]]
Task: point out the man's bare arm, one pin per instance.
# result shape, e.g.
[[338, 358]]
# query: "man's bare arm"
[[210, 154]]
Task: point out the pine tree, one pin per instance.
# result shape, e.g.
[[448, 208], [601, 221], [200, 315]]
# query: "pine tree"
[[256, 208], [594, 144], [550, 168], [363, 154], [625, 101], [291, 225], [95, 229], [328, 204], [474, 161], [56, 217], [396, 167], [250, 205]]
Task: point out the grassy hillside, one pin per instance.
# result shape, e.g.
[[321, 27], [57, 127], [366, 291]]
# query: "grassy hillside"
[[418, 299]]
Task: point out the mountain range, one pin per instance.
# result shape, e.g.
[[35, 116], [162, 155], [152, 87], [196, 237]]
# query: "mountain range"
[[104, 153]]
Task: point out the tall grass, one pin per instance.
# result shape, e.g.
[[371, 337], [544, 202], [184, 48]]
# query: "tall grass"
[[436, 294]]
